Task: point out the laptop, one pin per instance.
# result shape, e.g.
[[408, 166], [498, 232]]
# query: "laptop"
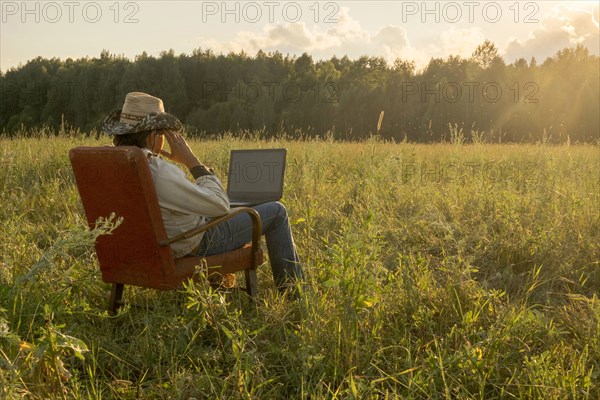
[[255, 176]]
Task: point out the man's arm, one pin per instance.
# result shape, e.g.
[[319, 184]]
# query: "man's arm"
[[206, 197]]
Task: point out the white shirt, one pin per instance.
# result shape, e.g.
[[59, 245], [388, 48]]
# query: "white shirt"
[[185, 204]]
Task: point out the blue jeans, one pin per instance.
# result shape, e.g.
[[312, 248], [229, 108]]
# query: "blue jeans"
[[236, 232]]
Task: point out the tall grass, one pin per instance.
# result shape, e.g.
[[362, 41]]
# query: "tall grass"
[[435, 271]]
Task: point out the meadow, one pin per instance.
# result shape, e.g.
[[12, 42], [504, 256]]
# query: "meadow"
[[440, 271]]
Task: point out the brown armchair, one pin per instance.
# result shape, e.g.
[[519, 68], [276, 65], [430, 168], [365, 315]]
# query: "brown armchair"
[[118, 179]]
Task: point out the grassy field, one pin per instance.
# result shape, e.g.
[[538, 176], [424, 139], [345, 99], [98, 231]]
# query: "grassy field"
[[435, 271]]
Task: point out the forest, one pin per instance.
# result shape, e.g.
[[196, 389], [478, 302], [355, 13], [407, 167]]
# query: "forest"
[[481, 98]]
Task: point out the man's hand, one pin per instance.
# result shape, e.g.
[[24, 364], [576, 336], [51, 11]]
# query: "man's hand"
[[180, 151]]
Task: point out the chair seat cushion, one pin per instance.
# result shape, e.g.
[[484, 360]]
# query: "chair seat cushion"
[[224, 263]]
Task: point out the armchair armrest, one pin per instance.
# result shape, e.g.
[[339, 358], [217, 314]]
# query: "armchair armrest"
[[256, 227]]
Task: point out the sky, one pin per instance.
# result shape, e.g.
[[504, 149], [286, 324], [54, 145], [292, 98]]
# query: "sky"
[[410, 30]]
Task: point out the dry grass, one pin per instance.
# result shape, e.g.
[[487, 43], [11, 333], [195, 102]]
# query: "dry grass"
[[436, 271]]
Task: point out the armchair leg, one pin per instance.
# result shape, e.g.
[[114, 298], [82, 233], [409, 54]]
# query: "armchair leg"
[[251, 282], [116, 297]]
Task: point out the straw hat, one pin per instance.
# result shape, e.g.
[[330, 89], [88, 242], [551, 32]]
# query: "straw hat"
[[141, 112]]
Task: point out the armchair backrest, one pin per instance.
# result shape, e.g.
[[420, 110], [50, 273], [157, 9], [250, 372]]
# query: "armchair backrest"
[[118, 179]]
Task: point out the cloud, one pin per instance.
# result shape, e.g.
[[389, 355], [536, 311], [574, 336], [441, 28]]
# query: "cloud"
[[297, 37], [564, 26], [347, 28], [292, 35], [461, 42], [348, 37], [456, 42], [392, 36], [392, 42]]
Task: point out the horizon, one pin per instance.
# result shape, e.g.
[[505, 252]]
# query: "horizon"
[[418, 69]]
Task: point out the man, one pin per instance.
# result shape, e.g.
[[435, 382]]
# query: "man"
[[143, 122]]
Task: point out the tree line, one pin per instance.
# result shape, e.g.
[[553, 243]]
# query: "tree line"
[[476, 98]]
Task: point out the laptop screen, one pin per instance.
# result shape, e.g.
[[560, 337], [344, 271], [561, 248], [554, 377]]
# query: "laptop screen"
[[256, 174]]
